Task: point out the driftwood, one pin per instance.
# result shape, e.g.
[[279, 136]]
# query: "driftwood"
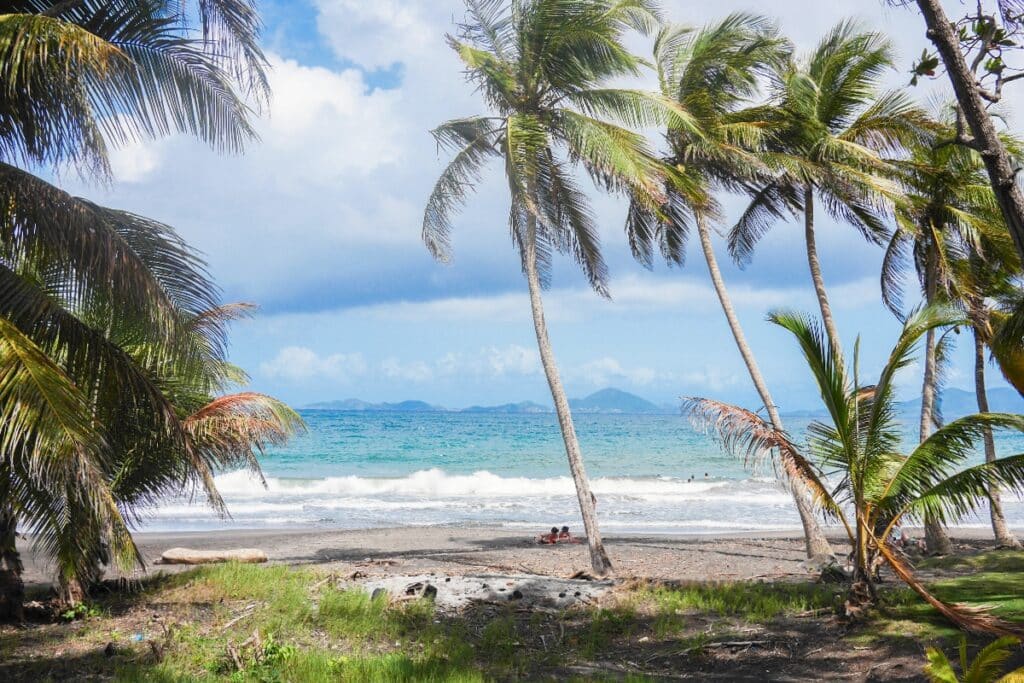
[[189, 556]]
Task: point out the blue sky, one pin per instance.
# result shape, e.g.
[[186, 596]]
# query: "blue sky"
[[319, 224]]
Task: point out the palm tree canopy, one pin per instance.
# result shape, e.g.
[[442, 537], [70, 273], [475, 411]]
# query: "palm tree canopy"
[[107, 73], [542, 67], [833, 128], [711, 73], [948, 222]]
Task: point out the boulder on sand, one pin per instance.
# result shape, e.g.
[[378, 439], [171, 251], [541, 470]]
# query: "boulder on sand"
[[190, 556]]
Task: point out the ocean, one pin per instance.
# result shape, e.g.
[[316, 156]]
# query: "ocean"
[[650, 474]]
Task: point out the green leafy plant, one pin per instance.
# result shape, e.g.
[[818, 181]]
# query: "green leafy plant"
[[984, 668], [81, 611], [876, 488]]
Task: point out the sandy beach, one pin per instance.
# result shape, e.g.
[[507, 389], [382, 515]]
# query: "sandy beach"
[[472, 550]]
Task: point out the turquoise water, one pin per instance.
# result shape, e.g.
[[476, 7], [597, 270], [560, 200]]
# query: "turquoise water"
[[650, 473]]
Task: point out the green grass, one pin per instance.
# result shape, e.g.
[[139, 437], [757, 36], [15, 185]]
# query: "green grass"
[[311, 632], [752, 602], [997, 581]]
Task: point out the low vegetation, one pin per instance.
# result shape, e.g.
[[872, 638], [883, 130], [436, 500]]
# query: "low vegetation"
[[252, 623]]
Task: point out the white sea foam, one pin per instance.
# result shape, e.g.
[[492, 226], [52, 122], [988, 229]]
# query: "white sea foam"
[[435, 497], [436, 483]]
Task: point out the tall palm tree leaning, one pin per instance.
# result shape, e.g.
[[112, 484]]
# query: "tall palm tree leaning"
[[712, 73], [950, 223], [542, 66], [833, 125]]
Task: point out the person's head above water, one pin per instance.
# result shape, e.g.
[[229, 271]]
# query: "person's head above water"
[[554, 529], [565, 529]]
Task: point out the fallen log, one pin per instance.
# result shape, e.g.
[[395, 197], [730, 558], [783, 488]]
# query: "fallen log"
[[189, 556]]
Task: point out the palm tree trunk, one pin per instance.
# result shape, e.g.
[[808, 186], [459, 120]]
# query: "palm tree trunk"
[[814, 538], [935, 536], [12, 587], [1004, 537], [1001, 170], [817, 279], [598, 557]]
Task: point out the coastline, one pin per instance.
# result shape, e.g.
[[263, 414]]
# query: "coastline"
[[462, 550]]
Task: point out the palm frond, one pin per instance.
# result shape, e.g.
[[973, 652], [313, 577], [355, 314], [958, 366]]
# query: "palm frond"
[[746, 435]]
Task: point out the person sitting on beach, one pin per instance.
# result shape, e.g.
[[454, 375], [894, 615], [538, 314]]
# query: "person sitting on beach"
[[565, 537], [550, 538]]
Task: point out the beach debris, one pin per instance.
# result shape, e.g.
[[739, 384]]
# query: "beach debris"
[[457, 592], [827, 567], [246, 611], [191, 556], [420, 589]]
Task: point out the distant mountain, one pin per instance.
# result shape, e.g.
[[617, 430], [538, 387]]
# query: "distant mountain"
[[957, 403], [355, 405], [603, 401], [614, 401], [954, 403], [510, 408]]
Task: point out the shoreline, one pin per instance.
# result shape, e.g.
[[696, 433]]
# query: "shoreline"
[[467, 550]]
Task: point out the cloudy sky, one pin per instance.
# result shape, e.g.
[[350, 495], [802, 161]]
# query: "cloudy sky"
[[319, 224]]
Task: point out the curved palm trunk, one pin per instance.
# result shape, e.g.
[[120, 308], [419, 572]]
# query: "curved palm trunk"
[[936, 537], [1004, 537], [598, 557], [12, 587], [1002, 171], [819, 282], [814, 538]]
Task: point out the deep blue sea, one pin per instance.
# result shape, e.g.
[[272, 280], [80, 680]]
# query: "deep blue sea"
[[650, 473]]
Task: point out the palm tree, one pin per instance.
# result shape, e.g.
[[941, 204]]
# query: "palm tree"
[[832, 124], [711, 73], [542, 67], [80, 77], [876, 488], [951, 224]]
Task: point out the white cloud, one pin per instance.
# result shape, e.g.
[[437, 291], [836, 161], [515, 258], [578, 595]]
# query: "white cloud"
[[630, 294], [512, 360], [713, 378], [490, 362], [297, 363], [378, 33], [608, 370], [415, 371]]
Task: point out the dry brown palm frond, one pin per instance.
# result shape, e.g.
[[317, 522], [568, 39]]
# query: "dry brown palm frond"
[[745, 434], [231, 430], [978, 619]]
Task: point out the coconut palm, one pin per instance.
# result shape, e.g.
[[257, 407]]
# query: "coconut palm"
[[78, 79], [832, 125], [713, 74], [874, 488], [950, 223], [542, 67]]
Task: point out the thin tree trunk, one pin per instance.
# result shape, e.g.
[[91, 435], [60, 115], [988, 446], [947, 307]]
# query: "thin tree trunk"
[[819, 282], [936, 537], [814, 538], [598, 557], [986, 138], [12, 587], [1004, 537]]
